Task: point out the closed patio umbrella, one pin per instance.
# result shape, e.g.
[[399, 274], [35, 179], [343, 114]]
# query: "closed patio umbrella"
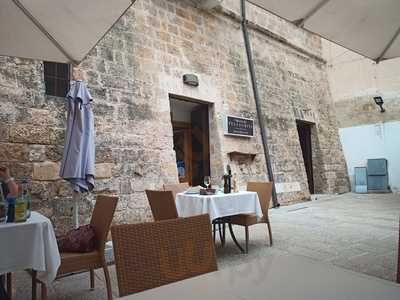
[[78, 164], [368, 27], [56, 30]]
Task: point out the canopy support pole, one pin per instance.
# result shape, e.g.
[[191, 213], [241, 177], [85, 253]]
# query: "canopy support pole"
[[258, 102], [43, 30], [312, 12], [396, 35]]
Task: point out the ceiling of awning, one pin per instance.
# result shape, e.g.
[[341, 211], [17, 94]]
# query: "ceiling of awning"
[[56, 30], [368, 27]]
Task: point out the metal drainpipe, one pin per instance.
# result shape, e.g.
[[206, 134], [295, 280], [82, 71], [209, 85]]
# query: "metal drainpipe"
[[257, 101]]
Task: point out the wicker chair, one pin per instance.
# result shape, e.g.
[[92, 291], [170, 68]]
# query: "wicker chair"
[[102, 216], [150, 255], [176, 188], [162, 204], [264, 191]]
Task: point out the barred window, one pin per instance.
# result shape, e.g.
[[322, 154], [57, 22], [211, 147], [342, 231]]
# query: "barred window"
[[56, 78]]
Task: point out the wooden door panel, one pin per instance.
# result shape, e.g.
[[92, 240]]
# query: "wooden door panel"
[[200, 144]]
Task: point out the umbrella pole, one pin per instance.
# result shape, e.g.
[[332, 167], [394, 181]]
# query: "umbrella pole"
[[75, 208]]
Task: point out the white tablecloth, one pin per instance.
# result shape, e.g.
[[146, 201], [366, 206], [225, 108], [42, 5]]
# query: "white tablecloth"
[[219, 205], [30, 245]]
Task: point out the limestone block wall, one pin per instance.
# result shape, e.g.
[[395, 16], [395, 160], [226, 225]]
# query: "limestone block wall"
[[294, 87], [132, 73]]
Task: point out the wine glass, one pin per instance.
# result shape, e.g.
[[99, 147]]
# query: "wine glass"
[[206, 181]]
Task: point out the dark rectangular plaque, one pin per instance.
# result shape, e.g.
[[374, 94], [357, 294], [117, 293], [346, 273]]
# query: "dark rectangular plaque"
[[239, 126]]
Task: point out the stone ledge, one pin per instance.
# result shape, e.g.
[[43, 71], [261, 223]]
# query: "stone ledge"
[[103, 170], [46, 171], [49, 171]]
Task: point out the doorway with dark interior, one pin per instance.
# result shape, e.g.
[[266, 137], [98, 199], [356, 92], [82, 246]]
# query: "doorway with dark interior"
[[191, 139], [304, 129]]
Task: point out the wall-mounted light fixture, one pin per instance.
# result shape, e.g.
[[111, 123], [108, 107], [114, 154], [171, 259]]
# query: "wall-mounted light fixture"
[[379, 101], [191, 79]]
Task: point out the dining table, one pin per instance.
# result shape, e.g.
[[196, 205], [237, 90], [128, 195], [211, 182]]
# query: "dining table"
[[30, 245], [220, 207], [277, 277]]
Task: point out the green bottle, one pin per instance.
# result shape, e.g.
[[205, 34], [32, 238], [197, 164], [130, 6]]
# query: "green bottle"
[[27, 197]]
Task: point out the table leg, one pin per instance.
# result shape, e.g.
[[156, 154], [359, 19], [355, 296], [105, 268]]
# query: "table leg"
[[34, 285], [223, 234], [9, 286], [234, 238], [214, 229], [220, 232], [44, 292], [220, 223], [221, 229]]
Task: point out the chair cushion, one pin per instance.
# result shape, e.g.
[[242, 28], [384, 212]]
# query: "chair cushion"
[[244, 219], [81, 240], [74, 262]]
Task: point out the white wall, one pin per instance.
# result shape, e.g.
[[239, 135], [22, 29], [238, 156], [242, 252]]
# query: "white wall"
[[351, 75], [373, 141]]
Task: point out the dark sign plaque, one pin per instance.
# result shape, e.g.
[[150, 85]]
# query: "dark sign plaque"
[[239, 126]]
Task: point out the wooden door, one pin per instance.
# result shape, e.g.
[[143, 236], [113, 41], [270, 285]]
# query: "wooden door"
[[200, 144], [183, 150], [304, 130]]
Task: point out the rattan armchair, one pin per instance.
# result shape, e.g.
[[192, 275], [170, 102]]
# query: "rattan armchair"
[[162, 204], [150, 255], [102, 216], [176, 188], [264, 191]]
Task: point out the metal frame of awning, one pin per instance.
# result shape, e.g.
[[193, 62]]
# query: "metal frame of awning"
[[302, 21], [53, 40]]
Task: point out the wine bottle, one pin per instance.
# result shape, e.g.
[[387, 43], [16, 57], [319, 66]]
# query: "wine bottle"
[[228, 168], [226, 186], [20, 207]]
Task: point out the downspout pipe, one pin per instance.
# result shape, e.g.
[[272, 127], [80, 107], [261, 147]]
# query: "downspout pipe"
[[257, 101]]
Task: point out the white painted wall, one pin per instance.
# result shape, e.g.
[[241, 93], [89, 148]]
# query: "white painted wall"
[[373, 141], [351, 75]]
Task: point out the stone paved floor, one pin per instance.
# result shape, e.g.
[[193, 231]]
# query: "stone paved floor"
[[356, 232]]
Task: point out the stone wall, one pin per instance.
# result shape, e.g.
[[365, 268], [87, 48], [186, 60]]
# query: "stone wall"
[[294, 87], [354, 81], [359, 111], [131, 74]]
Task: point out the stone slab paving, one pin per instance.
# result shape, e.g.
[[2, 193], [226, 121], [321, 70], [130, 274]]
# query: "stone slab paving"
[[356, 232]]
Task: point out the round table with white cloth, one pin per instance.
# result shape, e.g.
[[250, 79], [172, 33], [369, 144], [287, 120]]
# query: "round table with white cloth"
[[30, 245], [219, 205]]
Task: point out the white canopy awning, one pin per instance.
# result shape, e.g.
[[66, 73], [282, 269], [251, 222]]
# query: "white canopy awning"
[[368, 27], [56, 30]]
